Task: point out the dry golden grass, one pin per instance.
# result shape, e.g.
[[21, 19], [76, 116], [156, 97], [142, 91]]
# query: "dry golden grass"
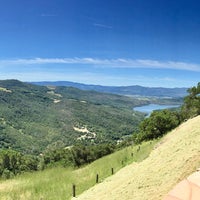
[[8, 185], [177, 156]]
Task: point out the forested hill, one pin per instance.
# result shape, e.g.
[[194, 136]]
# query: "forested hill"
[[33, 118], [124, 90]]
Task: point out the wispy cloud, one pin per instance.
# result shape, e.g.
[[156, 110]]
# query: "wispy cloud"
[[102, 26], [47, 15], [106, 63], [95, 22]]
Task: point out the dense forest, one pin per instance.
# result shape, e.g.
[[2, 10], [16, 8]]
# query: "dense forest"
[[47, 126]]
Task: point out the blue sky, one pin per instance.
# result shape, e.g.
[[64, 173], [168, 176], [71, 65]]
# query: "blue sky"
[[107, 42]]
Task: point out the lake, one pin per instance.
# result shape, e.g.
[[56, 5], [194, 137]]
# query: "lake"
[[148, 109]]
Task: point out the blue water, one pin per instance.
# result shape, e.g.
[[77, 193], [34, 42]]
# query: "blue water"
[[148, 109]]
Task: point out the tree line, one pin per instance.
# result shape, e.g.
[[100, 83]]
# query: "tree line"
[[13, 163]]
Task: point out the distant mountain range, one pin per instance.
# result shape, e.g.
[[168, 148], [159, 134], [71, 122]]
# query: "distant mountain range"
[[123, 90]]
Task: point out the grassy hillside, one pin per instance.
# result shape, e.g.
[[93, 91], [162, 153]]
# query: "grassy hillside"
[[56, 183], [175, 157], [33, 118]]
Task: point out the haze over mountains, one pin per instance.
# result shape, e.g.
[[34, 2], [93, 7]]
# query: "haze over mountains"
[[123, 90]]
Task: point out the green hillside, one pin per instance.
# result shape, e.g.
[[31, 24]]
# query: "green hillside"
[[56, 183], [33, 118]]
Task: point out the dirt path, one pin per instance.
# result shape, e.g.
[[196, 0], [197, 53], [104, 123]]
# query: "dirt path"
[[174, 159]]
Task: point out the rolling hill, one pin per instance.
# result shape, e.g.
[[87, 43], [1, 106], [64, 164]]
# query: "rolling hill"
[[174, 158], [33, 118]]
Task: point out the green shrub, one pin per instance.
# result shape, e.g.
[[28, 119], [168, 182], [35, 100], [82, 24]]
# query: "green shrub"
[[155, 126]]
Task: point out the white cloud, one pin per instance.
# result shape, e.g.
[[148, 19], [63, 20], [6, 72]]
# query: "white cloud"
[[106, 63]]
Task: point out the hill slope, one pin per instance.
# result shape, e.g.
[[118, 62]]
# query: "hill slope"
[[33, 118], [173, 159]]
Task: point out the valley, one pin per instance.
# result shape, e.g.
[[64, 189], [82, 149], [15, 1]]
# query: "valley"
[[32, 112], [64, 132]]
